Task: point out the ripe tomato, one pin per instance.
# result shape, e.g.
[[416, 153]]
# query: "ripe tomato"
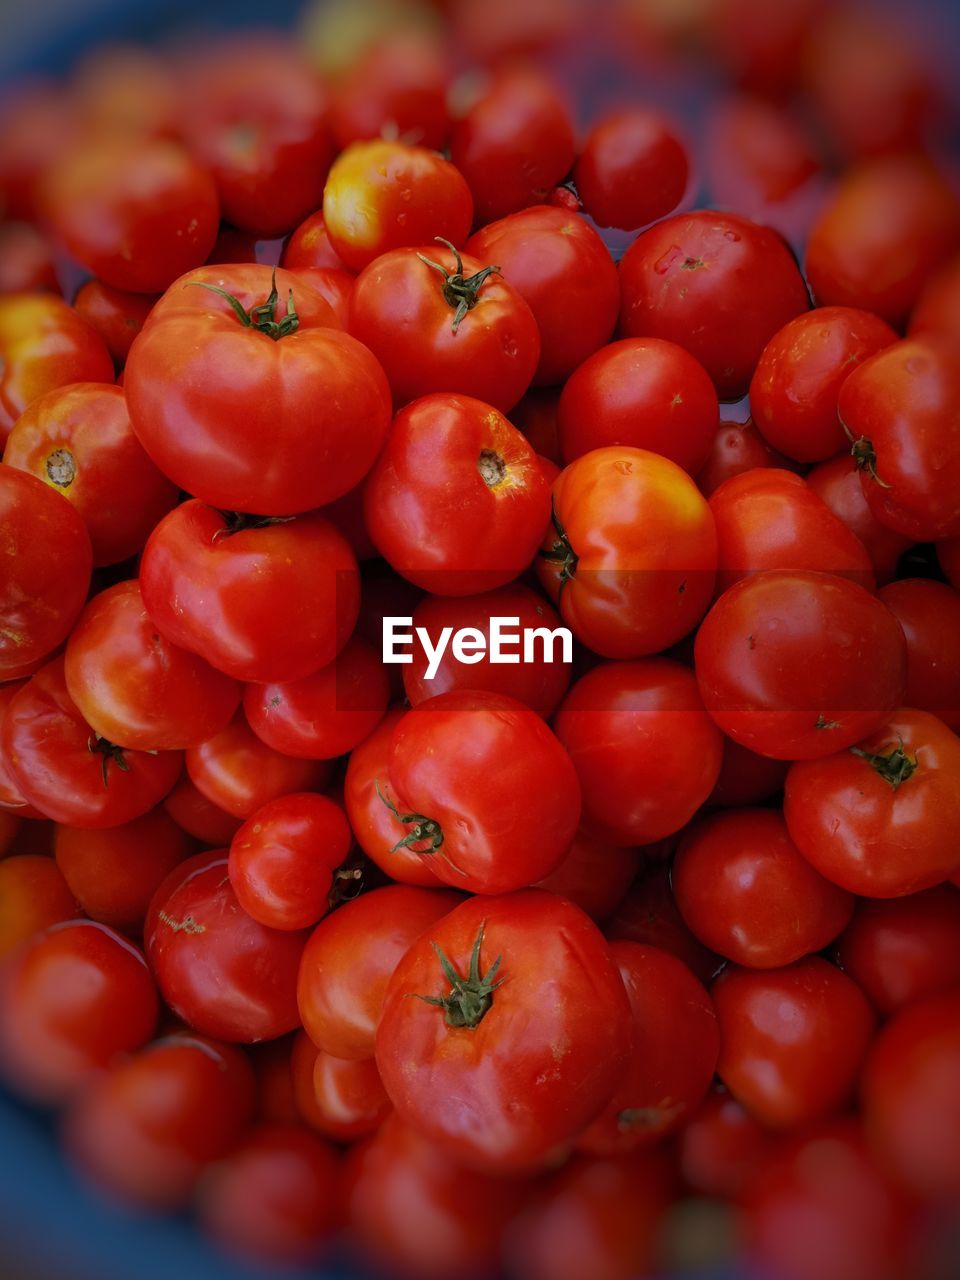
[[453, 465], [345, 1098], [761, 46], [938, 308], [720, 1146], [198, 816], [335, 287], [437, 321], [12, 803], [33, 896], [881, 819], [929, 613], [632, 170], [736, 447], [127, 91], [632, 552], [714, 283], [396, 87], [39, 124], [837, 482], [746, 778], [309, 248], [117, 316], [26, 261], [249, 398], [649, 915], [792, 1040], [594, 875], [780, 666], [505, 1080]]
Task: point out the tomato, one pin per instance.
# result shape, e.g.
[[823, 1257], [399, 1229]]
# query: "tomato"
[[649, 915], [594, 875], [350, 958], [736, 447], [632, 170], [759, 45], [198, 816], [218, 968], [632, 552], [514, 143], [26, 262], [11, 797], [746, 778], [273, 1067], [232, 246], [276, 1196], [720, 1145], [148, 1129], [881, 819], [837, 482], [716, 284], [888, 226], [780, 663], [341, 1098], [536, 417], [33, 896], [39, 125], [453, 465], [386, 195], [911, 1096], [645, 751], [126, 90], [898, 409], [505, 1080], [258, 599], [792, 1040], [439, 322], [397, 87], [929, 613], [334, 286], [44, 344], [563, 270], [308, 247], [117, 316], [641, 392], [73, 998], [230, 402], [938, 308], [746, 891]]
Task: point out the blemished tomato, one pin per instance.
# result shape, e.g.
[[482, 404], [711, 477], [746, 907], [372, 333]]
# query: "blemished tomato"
[[397, 87], [308, 247], [350, 958], [649, 915], [484, 1035], [515, 142], [645, 751], [232, 399], [439, 321], [33, 896], [632, 169], [137, 214], [746, 778], [217, 968], [792, 1040], [594, 875], [78, 440], [26, 261], [718, 285], [641, 392], [386, 195], [736, 447], [147, 1130], [747, 892], [796, 384], [837, 482], [929, 613], [73, 998], [779, 661], [720, 1146], [938, 307], [258, 599], [453, 465], [565, 273], [116, 315], [632, 551], [881, 819], [347, 1099], [199, 817]]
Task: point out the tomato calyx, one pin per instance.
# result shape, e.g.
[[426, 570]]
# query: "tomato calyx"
[[347, 885], [460, 292], [425, 828], [61, 468], [260, 317], [561, 552], [469, 999], [895, 767], [238, 521], [865, 459], [109, 754]]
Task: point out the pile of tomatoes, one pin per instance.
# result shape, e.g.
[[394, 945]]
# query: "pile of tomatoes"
[[576, 966]]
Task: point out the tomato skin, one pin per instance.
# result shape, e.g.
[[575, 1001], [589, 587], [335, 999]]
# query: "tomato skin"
[[347, 1099], [73, 999], [335, 286], [875, 838], [33, 896], [350, 958], [472, 1093], [427, 496], [594, 875], [400, 311], [747, 892], [792, 1040], [645, 751], [938, 307], [649, 915], [399, 83], [39, 125], [720, 1145], [563, 270], [746, 778], [385, 195], [26, 262], [736, 447], [198, 816], [116, 315], [271, 602], [308, 247], [11, 797], [684, 280], [632, 170], [780, 677], [929, 613], [837, 482], [641, 392]]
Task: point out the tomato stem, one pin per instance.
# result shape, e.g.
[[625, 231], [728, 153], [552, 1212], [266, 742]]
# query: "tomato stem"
[[895, 767], [469, 999], [561, 551], [425, 829], [238, 521], [461, 294], [260, 317], [865, 459], [109, 752]]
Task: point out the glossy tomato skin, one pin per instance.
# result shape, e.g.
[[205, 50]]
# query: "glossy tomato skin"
[[453, 465], [12, 802], [405, 311], [33, 896], [779, 676], [837, 482], [792, 1039], [234, 416], [747, 892], [348, 1100], [308, 247], [118, 316], [594, 875], [929, 613], [632, 170], [881, 820], [473, 1091], [649, 915], [746, 778], [736, 447], [198, 816], [641, 392], [938, 308], [267, 602], [631, 553], [794, 389], [685, 278], [398, 84]]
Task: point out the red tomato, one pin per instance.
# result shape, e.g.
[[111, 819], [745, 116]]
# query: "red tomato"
[[760, 45], [198, 816], [720, 1146], [11, 797], [397, 87], [536, 417], [714, 283], [33, 896], [649, 915], [737, 447], [453, 465], [594, 875], [273, 1064], [439, 322], [334, 286], [881, 819], [26, 262], [792, 1040], [837, 482], [626, 723], [563, 270], [348, 1100], [126, 90], [505, 1080], [746, 778], [632, 169], [309, 247], [779, 662], [938, 308], [929, 613], [249, 398], [73, 999], [234, 246], [117, 316]]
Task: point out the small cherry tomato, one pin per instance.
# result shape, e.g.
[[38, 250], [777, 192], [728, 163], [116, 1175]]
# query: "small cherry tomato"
[[33, 896], [632, 169]]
